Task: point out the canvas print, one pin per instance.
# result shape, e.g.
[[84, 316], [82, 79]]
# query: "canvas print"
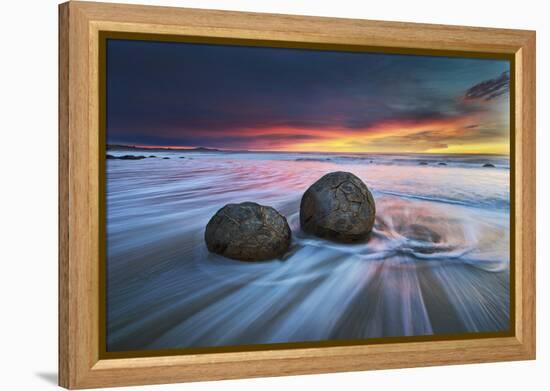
[[272, 196]]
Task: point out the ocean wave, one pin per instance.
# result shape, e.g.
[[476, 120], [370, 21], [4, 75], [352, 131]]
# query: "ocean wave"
[[483, 161], [499, 203]]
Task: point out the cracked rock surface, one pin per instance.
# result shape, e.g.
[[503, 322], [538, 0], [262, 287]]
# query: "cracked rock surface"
[[248, 232], [339, 207]]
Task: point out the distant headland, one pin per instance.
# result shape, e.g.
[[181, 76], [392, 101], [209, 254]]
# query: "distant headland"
[[121, 147]]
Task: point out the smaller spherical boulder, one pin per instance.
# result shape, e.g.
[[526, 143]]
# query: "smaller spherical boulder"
[[248, 232], [339, 207]]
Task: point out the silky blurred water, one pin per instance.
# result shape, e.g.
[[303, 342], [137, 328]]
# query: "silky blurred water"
[[437, 262]]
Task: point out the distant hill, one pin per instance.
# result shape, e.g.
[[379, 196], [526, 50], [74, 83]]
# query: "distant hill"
[[118, 147]]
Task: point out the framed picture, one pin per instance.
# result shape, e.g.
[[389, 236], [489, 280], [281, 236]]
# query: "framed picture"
[[247, 195]]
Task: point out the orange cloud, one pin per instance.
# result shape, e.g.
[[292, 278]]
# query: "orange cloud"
[[456, 135], [463, 134]]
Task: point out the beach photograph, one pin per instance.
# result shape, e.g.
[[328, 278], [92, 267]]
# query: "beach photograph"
[[267, 195]]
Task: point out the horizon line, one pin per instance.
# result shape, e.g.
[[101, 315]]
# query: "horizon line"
[[184, 148]]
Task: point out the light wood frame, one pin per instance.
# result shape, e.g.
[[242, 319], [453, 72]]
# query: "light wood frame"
[[80, 24]]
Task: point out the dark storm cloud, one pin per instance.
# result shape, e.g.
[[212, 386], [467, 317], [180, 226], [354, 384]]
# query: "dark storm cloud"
[[490, 89], [189, 94], [154, 85]]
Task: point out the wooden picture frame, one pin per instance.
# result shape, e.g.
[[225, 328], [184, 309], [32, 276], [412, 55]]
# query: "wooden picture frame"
[[81, 364]]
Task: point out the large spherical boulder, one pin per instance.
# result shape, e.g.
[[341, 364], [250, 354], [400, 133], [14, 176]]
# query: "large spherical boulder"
[[248, 232], [339, 206]]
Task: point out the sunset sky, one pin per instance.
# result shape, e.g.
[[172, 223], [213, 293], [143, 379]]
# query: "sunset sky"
[[250, 98]]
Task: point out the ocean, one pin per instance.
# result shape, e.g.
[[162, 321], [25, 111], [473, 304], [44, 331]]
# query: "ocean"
[[437, 262]]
